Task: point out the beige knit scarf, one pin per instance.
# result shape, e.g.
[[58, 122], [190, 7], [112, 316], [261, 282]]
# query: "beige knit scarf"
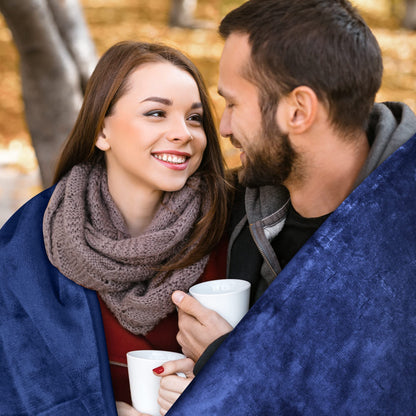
[[86, 239]]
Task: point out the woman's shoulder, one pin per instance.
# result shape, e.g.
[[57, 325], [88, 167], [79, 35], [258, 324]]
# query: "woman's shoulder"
[[23, 259], [27, 216]]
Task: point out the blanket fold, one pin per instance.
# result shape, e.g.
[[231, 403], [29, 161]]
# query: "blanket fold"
[[53, 352], [335, 333]]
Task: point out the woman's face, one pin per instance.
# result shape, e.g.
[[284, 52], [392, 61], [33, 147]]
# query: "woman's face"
[[154, 139]]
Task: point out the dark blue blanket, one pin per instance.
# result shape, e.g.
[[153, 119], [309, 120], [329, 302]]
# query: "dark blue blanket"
[[53, 356], [335, 334]]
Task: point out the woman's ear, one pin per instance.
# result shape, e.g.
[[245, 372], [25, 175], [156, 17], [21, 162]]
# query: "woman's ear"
[[297, 111], [102, 142]]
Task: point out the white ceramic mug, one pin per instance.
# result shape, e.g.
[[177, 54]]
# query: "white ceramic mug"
[[144, 385], [228, 297]]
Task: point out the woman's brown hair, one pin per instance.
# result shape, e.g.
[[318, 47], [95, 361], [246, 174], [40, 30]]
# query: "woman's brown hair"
[[107, 84]]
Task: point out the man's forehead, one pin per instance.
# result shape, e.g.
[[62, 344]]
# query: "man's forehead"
[[235, 55], [233, 65], [236, 46], [227, 86]]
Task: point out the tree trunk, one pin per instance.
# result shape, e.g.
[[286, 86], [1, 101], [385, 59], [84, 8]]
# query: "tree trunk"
[[182, 13], [51, 79], [74, 32], [409, 21]]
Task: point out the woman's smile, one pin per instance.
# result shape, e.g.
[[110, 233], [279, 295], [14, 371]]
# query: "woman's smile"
[[173, 159]]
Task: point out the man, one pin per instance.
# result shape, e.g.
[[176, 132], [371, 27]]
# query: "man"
[[299, 78]]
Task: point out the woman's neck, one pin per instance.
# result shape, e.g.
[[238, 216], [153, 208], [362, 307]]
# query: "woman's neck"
[[138, 206]]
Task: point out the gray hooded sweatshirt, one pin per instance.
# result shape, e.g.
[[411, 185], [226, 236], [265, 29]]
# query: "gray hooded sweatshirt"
[[259, 213], [391, 124]]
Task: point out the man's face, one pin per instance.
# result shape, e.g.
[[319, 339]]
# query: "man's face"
[[266, 156]]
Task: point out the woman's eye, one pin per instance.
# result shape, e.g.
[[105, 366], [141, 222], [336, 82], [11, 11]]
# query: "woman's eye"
[[195, 119], [155, 113]]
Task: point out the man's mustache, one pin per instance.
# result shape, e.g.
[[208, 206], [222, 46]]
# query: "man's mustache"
[[234, 141]]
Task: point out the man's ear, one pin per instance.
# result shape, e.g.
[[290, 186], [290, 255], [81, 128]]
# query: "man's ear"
[[102, 142], [298, 110]]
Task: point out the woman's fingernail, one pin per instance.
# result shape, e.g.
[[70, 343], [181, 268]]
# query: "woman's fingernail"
[[158, 370]]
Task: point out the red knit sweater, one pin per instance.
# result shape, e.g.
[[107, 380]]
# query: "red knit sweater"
[[162, 337]]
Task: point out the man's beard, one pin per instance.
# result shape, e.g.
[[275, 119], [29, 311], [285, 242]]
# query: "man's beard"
[[269, 162]]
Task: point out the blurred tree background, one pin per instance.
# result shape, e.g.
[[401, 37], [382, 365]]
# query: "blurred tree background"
[[110, 21]]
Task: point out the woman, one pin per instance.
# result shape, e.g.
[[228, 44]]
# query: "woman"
[[139, 204]]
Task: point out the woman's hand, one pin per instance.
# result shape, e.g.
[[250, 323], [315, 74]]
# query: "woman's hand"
[[124, 409], [172, 385]]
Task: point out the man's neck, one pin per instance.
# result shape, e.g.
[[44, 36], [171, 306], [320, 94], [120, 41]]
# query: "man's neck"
[[327, 176]]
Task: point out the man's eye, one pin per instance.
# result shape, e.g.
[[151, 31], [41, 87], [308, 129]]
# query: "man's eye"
[[155, 113], [228, 104]]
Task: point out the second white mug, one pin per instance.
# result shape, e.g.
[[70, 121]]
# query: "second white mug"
[[144, 385], [230, 298]]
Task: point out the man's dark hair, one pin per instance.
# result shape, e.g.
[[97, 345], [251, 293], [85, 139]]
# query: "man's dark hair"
[[322, 44]]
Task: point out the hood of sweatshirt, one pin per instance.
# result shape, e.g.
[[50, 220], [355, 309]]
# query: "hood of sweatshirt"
[[391, 124]]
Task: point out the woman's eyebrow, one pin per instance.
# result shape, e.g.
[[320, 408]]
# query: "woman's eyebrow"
[[166, 101], [161, 100]]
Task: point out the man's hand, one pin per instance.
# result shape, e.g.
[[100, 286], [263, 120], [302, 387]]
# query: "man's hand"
[[172, 385], [124, 409], [198, 326]]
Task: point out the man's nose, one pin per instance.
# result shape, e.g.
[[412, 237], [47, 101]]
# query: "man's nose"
[[225, 126]]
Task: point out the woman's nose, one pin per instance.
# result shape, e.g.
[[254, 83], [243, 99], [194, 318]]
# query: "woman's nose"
[[179, 131]]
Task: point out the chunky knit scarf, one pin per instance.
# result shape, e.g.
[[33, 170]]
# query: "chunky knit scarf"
[[86, 239]]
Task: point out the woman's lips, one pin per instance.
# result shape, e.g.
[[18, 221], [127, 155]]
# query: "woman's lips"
[[173, 159]]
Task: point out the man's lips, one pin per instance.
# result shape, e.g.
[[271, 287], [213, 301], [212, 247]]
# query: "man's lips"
[[235, 143]]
